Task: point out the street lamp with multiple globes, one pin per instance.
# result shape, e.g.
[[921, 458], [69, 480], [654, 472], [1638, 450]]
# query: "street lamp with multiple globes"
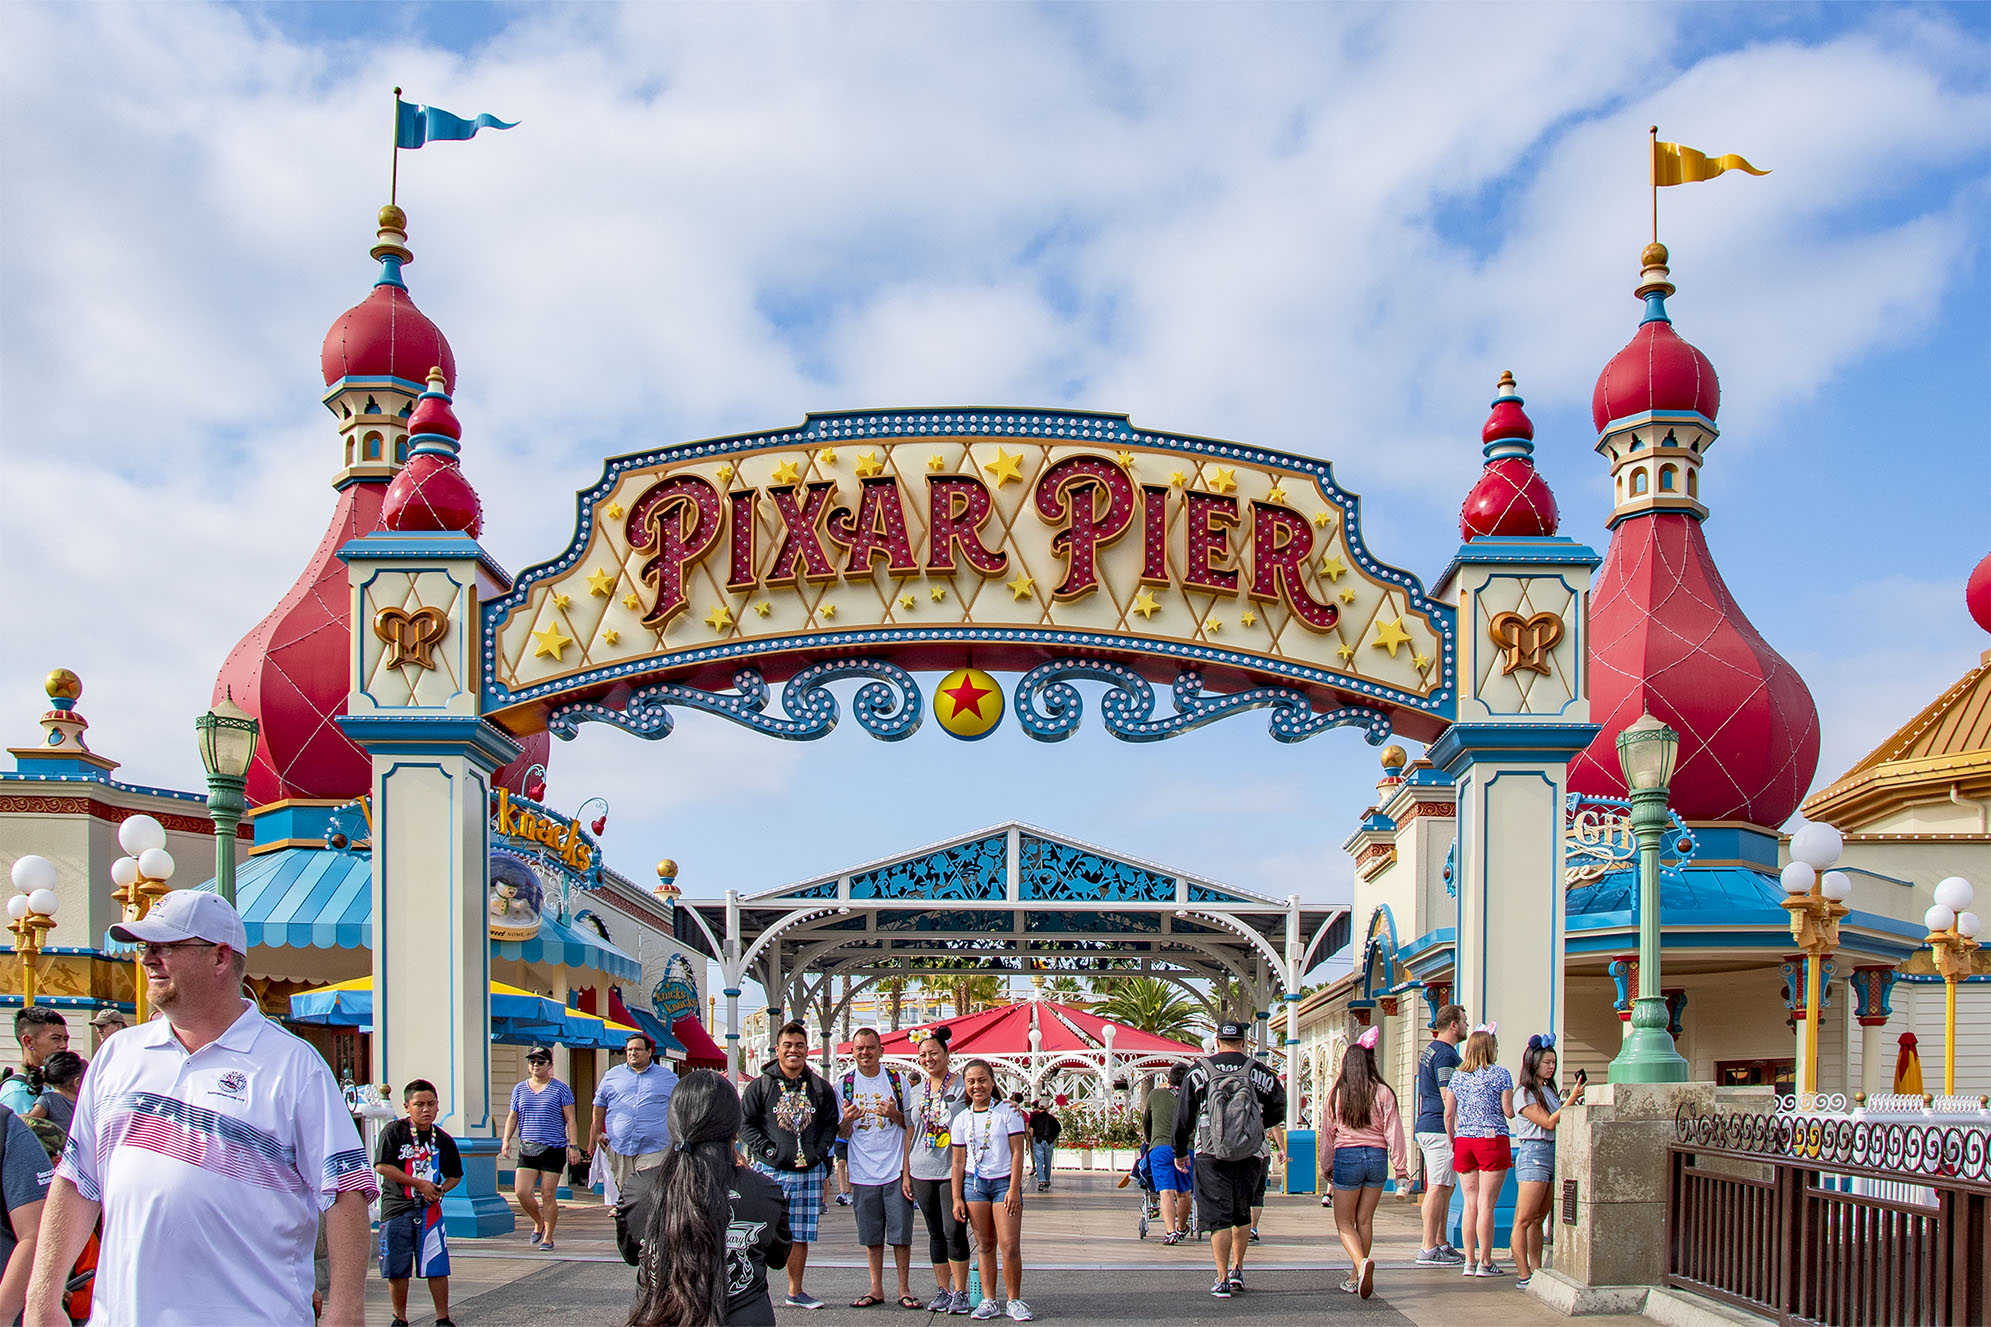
[[1647, 750], [227, 736], [141, 878], [32, 914], [1816, 898], [1953, 929]]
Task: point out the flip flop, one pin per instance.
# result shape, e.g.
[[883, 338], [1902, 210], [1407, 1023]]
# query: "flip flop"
[[869, 1301], [909, 1302]]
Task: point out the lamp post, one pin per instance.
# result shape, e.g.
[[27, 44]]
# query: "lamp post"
[[1646, 752], [33, 915], [1953, 929], [1816, 898], [141, 878], [227, 736]]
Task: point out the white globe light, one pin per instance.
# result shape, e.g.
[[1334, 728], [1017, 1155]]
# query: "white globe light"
[[1953, 892], [1938, 918], [44, 901], [124, 871], [1837, 886], [1967, 925], [32, 873], [1797, 878], [1817, 845], [17, 906], [155, 864], [139, 833]]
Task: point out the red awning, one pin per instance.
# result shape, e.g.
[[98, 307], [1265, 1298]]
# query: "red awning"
[[701, 1052], [1060, 1027]]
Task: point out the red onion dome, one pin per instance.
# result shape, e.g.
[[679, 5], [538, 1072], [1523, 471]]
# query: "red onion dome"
[[385, 335], [1511, 499], [1977, 593], [1658, 370], [1666, 636], [430, 493]]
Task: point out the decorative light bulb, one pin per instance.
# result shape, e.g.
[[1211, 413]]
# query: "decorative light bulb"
[[124, 871], [1967, 925], [1797, 878], [139, 833], [155, 864], [1953, 892], [17, 906], [1837, 886], [44, 901], [1817, 845], [32, 873], [1938, 918]]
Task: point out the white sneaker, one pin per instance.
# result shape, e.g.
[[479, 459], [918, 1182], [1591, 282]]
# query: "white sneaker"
[[987, 1309], [1019, 1311]]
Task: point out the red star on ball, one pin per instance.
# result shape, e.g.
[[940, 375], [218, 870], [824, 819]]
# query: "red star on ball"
[[968, 697]]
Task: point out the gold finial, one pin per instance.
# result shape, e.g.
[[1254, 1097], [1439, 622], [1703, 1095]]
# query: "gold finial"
[[438, 383], [1652, 277], [1395, 757], [1506, 387], [667, 869], [61, 684], [1653, 255], [392, 238]]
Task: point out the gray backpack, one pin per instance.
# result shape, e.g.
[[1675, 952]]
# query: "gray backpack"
[[1231, 1125]]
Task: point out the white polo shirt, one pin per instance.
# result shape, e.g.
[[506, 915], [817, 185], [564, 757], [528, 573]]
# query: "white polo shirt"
[[212, 1169]]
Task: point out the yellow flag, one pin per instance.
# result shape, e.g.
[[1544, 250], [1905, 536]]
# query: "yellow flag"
[[1673, 163]]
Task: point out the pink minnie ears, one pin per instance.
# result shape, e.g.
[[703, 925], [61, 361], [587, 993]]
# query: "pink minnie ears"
[[1487, 1028], [1367, 1041]]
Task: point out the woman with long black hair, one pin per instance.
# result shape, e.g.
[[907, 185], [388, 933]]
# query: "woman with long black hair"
[[713, 1227], [1363, 1144], [929, 1173]]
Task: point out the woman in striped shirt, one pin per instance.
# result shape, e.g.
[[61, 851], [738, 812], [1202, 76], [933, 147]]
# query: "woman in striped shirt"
[[542, 1120]]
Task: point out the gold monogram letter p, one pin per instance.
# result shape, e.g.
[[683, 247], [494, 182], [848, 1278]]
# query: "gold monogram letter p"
[[412, 637], [1527, 640]]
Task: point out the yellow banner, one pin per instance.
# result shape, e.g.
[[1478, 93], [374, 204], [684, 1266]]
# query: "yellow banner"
[[1675, 163]]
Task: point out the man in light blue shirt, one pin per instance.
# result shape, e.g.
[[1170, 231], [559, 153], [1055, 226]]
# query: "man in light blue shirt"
[[632, 1111], [41, 1032]]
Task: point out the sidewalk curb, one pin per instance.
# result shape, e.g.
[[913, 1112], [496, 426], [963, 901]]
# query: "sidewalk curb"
[[1668, 1307]]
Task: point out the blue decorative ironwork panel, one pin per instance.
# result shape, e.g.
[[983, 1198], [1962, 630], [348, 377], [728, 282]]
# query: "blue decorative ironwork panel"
[[1057, 871], [977, 870], [939, 919], [1114, 923]]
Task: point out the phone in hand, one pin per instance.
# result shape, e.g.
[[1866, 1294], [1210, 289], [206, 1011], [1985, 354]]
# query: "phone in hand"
[[1582, 1077]]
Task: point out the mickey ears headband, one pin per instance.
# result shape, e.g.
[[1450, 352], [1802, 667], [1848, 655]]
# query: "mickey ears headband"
[[1367, 1041], [1542, 1041], [1488, 1028]]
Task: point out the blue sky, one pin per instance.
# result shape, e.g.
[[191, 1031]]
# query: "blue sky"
[[1318, 229]]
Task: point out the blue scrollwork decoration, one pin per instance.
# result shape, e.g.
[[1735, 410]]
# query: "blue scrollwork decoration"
[[888, 705], [1049, 707]]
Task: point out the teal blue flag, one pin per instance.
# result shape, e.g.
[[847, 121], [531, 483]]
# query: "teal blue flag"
[[415, 125]]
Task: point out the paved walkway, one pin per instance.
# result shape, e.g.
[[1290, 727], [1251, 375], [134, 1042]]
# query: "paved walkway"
[[1083, 1262]]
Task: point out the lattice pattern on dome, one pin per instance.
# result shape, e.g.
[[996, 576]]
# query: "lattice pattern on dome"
[[978, 870], [1668, 637]]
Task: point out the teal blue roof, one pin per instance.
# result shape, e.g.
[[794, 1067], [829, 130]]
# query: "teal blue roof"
[[322, 898], [1736, 897]]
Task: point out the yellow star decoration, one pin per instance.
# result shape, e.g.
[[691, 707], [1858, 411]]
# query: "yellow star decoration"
[[1348, 596], [1176, 479], [718, 619], [726, 473], [1212, 626], [938, 592], [1145, 605], [1247, 619], [551, 643], [1005, 468], [868, 465], [1332, 567], [1346, 652], [561, 600], [1275, 493], [614, 512], [1420, 661], [600, 583], [1321, 519], [1021, 586], [907, 600], [763, 608], [827, 611], [827, 456], [787, 473], [631, 602], [1389, 635], [1222, 480], [1124, 458], [934, 462], [611, 636]]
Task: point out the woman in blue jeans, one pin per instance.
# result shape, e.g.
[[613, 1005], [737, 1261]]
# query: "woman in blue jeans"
[[1365, 1140], [1537, 1111]]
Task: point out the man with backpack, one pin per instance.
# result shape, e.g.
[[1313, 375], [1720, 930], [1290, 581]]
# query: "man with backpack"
[[875, 1103], [1228, 1101]]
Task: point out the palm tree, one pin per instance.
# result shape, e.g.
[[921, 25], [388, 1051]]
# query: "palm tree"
[[1152, 1005], [1066, 989], [971, 994], [894, 989]]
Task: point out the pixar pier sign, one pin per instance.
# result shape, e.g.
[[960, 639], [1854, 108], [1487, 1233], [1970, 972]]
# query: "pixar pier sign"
[[909, 535]]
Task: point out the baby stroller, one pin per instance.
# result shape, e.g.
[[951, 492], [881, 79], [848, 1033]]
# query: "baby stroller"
[[1143, 1174]]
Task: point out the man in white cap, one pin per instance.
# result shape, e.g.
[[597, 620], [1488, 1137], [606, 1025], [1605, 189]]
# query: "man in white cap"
[[210, 1140]]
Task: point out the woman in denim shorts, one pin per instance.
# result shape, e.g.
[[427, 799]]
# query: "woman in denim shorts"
[[1365, 1140], [1538, 1110]]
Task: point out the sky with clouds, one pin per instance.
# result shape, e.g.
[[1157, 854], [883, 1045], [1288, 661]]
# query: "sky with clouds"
[[1321, 229]]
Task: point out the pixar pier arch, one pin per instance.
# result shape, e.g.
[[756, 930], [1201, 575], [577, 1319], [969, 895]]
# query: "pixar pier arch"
[[1087, 559]]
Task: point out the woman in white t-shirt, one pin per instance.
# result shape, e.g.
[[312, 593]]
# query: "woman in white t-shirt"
[[989, 1155]]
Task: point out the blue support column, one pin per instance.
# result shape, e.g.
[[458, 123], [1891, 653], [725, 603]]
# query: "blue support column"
[[475, 1209]]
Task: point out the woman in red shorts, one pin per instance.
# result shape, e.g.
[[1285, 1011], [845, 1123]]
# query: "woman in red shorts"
[[1482, 1093]]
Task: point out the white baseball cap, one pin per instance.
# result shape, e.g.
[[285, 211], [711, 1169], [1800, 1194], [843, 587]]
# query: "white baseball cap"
[[187, 914]]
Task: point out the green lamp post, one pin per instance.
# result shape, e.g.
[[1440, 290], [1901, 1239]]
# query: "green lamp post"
[[227, 736], [1646, 752]]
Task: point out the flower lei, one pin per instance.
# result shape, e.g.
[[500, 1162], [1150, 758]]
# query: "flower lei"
[[933, 1127]]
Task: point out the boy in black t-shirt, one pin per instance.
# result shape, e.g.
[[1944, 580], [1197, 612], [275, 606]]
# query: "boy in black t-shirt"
[[418, 1164]]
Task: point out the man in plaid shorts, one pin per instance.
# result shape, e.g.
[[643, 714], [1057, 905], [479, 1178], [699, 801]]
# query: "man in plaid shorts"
[[790, 1120]]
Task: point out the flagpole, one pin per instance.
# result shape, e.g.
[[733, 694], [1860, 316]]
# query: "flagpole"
[[394, 171], [1652, 170]]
